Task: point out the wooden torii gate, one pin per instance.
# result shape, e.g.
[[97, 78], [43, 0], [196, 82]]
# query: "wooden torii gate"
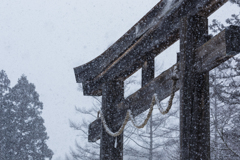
[[166, 23]]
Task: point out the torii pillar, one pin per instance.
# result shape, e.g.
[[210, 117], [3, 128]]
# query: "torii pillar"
[[194, 92], [111, 148]]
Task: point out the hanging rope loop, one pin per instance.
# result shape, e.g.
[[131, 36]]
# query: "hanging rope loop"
[[120, 131], [144, 122], [175, 78], [153, 102]]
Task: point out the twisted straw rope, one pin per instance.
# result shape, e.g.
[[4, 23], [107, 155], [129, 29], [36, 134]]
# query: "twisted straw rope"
[[121, 128], [129, 113], [145, 121], [169, 102]]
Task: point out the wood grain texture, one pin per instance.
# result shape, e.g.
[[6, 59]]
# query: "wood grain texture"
[[162, 84], [218, 49], [93, 68], [155, 40], [194, 92], [139, 101], [113, 93]]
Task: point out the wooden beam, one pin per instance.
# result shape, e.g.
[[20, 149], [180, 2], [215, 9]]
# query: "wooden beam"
[[219, 49], [155, 40], [148, 70], [139, 102], [94, 130], [93, 68]]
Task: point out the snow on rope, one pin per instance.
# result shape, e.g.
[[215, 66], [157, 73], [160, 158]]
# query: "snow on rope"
[[129, 113]]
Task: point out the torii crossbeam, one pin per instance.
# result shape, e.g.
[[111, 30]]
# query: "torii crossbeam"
[[199, 53]]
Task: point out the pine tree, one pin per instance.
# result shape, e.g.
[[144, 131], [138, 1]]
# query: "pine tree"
[[24, 134], [6, 119]]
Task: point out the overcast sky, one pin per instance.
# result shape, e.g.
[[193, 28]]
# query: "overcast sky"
[[46, 39]]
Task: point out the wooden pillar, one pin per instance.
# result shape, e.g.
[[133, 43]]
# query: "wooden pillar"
[[147, 76], [111, 148], [148, 70], [194, 92]]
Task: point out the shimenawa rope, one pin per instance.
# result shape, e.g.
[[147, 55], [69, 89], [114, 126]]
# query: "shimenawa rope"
[[129, 113]]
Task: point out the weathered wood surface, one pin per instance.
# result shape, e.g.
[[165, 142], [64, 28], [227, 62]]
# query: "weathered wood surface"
[[113, 93], [156, 39], [217, 50], [148, 70], [93, 68], [147, 76], [194, 92], [94, 130], [139, 102]]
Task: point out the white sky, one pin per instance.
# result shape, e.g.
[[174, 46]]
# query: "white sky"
[[46, 39]]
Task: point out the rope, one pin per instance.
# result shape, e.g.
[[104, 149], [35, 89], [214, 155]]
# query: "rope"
[[115, 134], [154, 101], [145, 121], [169, 102]]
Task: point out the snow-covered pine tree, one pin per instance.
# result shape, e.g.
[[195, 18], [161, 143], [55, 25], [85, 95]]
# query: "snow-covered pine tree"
[[24, 132], [7, 118]]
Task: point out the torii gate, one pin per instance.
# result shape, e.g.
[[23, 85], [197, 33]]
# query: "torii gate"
[[199, 53]]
